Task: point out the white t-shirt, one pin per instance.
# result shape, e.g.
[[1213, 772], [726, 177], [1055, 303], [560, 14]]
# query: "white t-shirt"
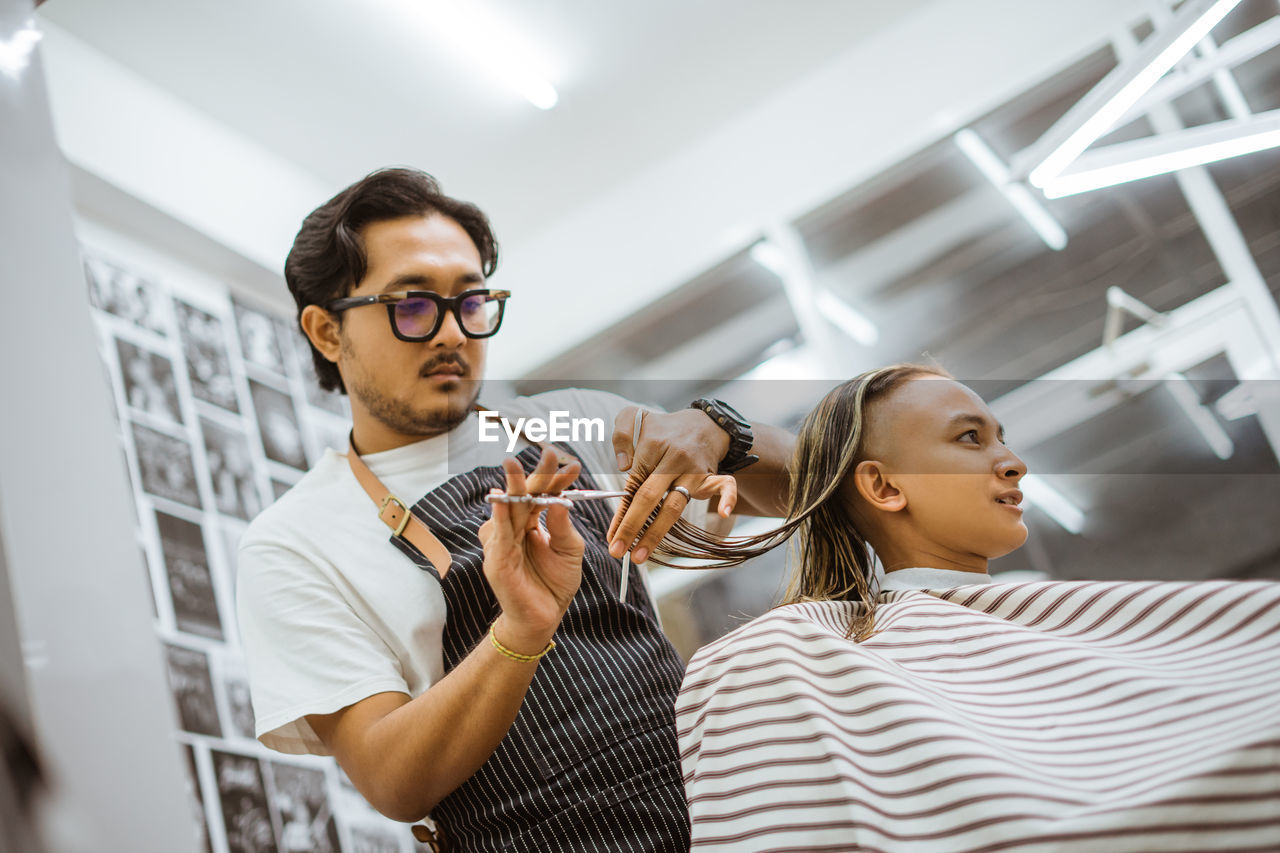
[[330, 611]]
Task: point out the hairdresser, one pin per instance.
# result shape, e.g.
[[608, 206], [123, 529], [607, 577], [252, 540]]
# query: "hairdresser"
[[462, 658]]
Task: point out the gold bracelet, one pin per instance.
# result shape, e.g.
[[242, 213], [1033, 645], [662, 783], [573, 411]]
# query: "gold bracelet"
[[503, 650]]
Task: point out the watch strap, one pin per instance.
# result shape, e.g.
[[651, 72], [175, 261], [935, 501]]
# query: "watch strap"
[[741, 438]]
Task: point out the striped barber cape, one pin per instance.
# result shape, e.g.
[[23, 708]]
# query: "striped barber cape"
[[1038, 716]]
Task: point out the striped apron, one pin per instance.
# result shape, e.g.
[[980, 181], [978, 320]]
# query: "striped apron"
[[590, 763]]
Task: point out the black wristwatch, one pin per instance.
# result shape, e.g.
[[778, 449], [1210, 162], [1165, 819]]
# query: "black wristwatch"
[[740, 436]]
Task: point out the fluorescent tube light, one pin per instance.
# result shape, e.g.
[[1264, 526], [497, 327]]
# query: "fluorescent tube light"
[[15, 51], [1052, 503], [1144, 158], [1099, 111], [491, 45], [1015, 193], [834, 309], [853, 323], [1229, 54]]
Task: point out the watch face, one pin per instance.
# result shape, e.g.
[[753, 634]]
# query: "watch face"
[[720, 407]]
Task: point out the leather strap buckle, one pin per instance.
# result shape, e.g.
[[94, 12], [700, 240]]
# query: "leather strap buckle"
[[392, 522]]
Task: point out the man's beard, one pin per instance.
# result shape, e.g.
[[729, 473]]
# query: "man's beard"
[[399, 416]]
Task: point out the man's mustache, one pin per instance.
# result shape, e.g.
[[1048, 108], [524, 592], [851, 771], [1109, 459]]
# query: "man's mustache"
[[451, 360]]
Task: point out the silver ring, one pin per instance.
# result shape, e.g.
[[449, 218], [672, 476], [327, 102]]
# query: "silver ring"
[[635, 432], [688, 498]]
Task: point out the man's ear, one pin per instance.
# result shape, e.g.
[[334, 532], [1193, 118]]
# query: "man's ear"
[[323, 330], [875, 485]]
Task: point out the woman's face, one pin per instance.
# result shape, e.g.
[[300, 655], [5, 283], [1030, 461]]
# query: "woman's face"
[[944, 454]]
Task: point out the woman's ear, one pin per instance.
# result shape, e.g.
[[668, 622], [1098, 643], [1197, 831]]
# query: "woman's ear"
[[876, 487], [322, 328]]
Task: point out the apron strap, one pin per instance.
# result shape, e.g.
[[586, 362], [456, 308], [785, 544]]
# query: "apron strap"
[[395, 514]]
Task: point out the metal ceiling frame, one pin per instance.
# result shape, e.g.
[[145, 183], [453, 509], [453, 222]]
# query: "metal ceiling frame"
[[1015, 192], [1058, 162], [1239, 320], [1218, 323], [1166, 152], [1097, 112]]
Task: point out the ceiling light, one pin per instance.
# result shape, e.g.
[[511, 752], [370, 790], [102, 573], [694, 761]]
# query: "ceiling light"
[[833, 309], [1143, 158], [1015, 193], [15, 51], [853, 323], [488, 43], [1052, 503], [1098, 111], [795, 365]]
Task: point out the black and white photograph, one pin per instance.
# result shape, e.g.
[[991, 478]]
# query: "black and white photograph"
[[129, 297], [149, 385], [330, 401], [259, 341], [370, 840], [192, 687], [208, 365], [278, 425], [195, 607], [300, 798], [230, 470], [166, 466], [243, 797], [239, 706], [195, 793]]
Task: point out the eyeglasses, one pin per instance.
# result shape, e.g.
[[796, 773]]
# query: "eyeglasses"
[[416, 315]]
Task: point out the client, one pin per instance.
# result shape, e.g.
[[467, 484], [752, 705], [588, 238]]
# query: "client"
[[939, 712]]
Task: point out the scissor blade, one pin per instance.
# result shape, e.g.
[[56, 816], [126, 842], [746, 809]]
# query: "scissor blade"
[[591, 494]]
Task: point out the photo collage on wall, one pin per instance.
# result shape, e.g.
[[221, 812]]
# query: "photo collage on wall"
[[219, 413]]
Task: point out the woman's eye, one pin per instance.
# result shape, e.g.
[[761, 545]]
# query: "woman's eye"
[[971, 435]]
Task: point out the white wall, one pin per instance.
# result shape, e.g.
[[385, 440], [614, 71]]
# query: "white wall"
[[133, 135], [103, 713]]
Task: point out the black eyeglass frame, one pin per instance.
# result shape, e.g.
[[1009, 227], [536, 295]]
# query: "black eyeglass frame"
[[443, 304]]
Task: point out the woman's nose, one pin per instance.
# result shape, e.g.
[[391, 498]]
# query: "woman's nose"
[[1010, 467]]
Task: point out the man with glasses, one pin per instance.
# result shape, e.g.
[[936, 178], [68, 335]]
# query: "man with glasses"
[[495, 672]]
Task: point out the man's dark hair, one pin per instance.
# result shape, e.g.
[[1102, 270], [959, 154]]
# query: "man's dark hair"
[[328, 258]]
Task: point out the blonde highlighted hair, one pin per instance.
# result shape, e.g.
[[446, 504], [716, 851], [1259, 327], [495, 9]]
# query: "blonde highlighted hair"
[[831, 559]]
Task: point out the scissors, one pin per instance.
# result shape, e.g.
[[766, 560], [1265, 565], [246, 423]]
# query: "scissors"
[[565, 498]]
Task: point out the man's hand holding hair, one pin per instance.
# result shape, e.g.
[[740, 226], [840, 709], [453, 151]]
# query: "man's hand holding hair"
[[680, 449]]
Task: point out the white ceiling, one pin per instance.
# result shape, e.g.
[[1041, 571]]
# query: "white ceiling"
[[341, 88]]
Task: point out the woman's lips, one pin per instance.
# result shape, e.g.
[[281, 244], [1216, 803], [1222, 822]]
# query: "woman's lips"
[[1011, 500]]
